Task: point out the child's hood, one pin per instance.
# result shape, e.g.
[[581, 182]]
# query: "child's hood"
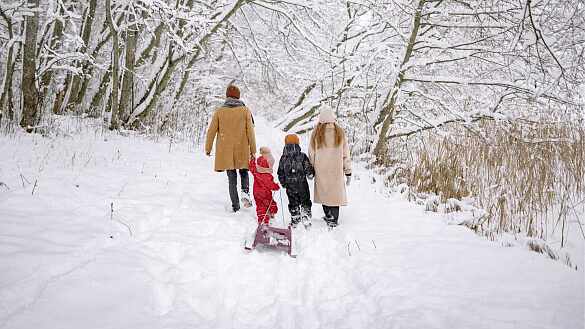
[[291, 149], [269, 159], [263, 162]]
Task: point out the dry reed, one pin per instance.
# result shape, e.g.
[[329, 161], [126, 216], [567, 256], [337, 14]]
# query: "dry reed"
[[524, 175]]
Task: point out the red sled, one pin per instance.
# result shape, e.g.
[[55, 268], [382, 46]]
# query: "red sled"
[[273, 237]]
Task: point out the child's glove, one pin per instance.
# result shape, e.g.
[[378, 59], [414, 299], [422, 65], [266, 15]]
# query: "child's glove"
[[347, 180]]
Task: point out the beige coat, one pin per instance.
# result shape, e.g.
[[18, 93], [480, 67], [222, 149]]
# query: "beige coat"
[[235, 138], [331, 165]]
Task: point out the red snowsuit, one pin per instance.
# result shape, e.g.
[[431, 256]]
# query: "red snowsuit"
[[263, 186]]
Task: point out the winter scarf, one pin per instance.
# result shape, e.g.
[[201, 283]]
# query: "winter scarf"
[[233, 102]]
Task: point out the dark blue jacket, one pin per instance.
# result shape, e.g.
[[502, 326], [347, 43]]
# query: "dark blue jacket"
[[294, 166]]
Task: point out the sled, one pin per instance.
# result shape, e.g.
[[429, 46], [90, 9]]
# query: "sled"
[[273, 237]]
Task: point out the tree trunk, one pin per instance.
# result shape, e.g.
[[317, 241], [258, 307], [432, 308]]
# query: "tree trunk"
[[6, 105], [17, 58], [127, 96], [74, 95], [386, 116], [54, 43], [154, 43], [60, 98], [187, 72], [303, 96], [30, 97], [312, 112], [115, 120], [88, 74], [97, 99], [142, 111], [157, 87]]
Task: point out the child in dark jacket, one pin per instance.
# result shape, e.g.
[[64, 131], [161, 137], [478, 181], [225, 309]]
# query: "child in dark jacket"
[[293, 170], [263, 186]]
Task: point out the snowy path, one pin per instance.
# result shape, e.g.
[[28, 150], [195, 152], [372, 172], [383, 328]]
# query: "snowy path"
[[184, 267]]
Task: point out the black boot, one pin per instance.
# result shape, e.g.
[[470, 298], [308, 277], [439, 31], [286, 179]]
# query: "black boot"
[[306, 216], [331, 215], [295, 220]]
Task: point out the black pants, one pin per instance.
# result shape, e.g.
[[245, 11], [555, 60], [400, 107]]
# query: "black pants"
[[332, 212], [233, 186], [299, 200]]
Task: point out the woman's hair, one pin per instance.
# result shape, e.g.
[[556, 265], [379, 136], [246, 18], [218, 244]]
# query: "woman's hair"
[[318, 137]]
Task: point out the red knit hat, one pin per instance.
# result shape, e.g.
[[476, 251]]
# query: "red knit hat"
[[291, 139], [232, 91]]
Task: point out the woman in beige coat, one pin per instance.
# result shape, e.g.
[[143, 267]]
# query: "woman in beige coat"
[[329, 154]]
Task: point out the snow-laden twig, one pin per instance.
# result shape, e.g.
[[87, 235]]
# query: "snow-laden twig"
[[115, 218]]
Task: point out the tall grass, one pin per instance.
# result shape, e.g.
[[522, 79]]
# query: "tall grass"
[[527, 176]]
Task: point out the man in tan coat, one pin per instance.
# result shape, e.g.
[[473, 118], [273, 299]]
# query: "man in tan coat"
[[233, 125]]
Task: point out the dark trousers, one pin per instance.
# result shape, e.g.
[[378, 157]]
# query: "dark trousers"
[[299, 200], [233, 185], [332, 212]]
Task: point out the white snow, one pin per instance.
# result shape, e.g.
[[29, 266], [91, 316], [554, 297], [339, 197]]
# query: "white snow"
[[175, 257]]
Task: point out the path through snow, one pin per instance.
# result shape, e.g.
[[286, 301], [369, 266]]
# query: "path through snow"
[[389, 265]]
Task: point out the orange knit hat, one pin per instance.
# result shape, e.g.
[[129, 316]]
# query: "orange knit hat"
[[291, 139], [232, 92]]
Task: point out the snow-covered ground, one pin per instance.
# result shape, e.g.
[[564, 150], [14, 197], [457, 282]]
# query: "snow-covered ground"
[[170, 256]]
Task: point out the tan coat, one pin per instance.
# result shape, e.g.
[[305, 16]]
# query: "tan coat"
[[331, 165], [235, 138]]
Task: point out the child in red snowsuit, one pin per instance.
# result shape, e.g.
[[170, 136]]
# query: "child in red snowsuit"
[[264, 184]]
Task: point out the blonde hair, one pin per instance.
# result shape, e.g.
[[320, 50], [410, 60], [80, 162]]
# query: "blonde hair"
[[318, 137]]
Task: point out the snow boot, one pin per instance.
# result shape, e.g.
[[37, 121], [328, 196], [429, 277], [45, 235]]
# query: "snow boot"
[[246, 200], [231, 209], [306, 220], [330, 221], [295, 220]]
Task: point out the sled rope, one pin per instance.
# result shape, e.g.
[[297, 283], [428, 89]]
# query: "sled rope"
[[268, 208]]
